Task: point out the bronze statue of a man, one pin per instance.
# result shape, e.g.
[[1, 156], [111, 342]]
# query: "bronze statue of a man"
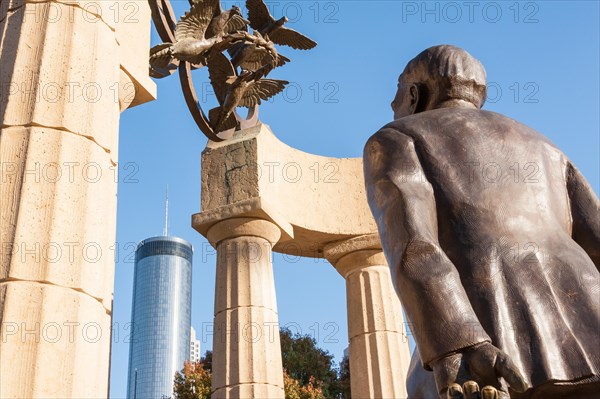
[[493, 240]]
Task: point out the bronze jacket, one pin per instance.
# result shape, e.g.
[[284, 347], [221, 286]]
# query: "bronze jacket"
[[491, 234]]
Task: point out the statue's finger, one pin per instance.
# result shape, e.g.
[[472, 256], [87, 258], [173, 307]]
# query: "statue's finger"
[[471, 390], [455, 392], [508, 370], [489, 392]]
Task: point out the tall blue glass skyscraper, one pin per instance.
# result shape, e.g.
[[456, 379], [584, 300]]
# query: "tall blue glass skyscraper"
[[160, 316]]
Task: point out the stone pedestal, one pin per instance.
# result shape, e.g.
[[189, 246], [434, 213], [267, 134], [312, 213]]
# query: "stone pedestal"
[[65, 78], [246, 345], [379, 349]]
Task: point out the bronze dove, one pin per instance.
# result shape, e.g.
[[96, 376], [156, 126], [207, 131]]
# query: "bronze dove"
[[191, 41], [262, 21], [257, 53], [227, 22], [245, 90]]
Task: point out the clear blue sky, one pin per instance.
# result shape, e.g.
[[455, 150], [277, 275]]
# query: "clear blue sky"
[[542, 59]]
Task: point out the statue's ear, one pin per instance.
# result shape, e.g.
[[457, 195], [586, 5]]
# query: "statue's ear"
[[415, 93]]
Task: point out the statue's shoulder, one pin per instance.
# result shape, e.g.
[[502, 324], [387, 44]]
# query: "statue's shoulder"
[[424, 121], [513, 130], [451, 122], [387, 139], [401, 133]]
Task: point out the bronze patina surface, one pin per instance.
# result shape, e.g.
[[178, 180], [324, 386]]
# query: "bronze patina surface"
[[493, 240], [200, 38]]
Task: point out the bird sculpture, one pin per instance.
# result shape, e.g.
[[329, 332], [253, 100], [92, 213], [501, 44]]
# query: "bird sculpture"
[[200, 38], [199, 30], [226, 22], [231, 90], [262, 21], [255, 53]]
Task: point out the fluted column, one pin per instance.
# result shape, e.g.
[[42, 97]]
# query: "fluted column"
[[63, 85], [379, 349], [246, 346]]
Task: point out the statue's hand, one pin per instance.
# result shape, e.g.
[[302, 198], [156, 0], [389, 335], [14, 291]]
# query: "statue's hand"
[[459, 375]]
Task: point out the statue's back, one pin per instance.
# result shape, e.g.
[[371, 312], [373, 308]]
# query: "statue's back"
[[504, 220]]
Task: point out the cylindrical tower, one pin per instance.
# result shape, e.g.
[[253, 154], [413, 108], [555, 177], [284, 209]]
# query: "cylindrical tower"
[[160, 316]]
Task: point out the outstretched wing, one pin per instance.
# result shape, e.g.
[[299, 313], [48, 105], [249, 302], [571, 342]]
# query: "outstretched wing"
[[262, 89], [227, 22], [161, 61], [282, 60], [194, 23], [253, 58], [219, 70], [236, 23], [258, 14], [289, 37], [218, 9]]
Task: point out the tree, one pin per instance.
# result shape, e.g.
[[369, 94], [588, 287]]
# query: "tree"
[[295, 390], [309, 372], [344, 377], [193, 382], [302, 359], [206, 361]]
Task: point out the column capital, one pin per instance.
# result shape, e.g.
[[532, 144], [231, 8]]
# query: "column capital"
[[243, 227], [355, 253], [253, 209]]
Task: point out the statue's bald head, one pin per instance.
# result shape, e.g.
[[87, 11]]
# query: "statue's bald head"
[[443, 73]]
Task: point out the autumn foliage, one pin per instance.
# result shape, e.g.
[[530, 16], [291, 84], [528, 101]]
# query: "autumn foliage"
[[295, 390], [193, 382], [308, 373]]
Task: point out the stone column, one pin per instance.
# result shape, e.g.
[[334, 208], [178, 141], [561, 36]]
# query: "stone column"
[[379, 349], [63, 87], [246, 346]]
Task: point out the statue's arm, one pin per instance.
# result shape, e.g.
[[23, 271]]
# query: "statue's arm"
[[403, 204], [585, 212]]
